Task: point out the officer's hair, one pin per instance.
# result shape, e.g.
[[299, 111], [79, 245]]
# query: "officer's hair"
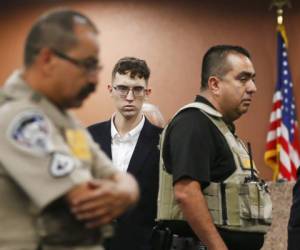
[[214, 61], [54, 30], [133, 66]]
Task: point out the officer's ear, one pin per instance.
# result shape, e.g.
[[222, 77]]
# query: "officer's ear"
[[44, 60], [214, 85]]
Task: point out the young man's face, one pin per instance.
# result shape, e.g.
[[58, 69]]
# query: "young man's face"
[[128, 94]]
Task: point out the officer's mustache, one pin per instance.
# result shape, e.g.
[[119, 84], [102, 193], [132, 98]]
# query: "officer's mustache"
[[86, 91]]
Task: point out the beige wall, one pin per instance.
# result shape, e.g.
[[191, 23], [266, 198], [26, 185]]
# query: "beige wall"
[[172, 37]]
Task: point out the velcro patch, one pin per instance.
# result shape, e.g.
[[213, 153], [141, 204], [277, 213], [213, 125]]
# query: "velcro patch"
[[61, 165], [30, 131]]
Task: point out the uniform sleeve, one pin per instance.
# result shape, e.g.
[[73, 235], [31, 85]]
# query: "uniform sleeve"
[[36, 156], [190, 147]]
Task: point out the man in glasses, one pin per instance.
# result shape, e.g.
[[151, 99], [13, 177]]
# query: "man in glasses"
[[131, 141], [57, 188]]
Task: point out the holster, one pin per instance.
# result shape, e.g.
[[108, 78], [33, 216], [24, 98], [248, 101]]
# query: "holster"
[[186, 243], [164, 238], [161, 238]]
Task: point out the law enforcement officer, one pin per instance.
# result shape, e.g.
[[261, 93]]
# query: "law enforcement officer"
[[207, 177], [57, 188]]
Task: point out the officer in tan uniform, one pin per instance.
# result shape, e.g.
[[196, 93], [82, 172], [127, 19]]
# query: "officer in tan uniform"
[[58, 190], [209, 187]]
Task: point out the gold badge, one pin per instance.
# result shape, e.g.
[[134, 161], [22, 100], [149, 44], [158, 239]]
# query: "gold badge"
[[78, 143], [245, 162]]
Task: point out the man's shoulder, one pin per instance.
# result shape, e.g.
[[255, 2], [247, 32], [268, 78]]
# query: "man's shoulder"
[[152, 127], [100, 127], [190, 115], [13, 108], [99, 124], [151, 130], [191, 122], [25, 126]]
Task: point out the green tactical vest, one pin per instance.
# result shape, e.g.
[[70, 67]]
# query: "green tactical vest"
[[234, 204]]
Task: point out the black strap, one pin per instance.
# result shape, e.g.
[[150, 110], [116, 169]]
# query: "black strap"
[[224, 205]]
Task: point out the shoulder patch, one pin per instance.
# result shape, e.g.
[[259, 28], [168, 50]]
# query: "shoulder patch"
[[61, 165], [30, 131]]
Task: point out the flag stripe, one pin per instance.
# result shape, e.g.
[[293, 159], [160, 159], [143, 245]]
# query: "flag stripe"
[[282, 146]]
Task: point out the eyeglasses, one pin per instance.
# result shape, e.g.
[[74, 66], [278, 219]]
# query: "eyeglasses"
[[89, 64], [122, 90]]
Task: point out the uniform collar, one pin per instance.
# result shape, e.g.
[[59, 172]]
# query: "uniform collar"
[[16, 86]]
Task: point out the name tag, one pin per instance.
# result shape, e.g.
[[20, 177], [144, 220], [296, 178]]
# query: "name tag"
[[78, 143]]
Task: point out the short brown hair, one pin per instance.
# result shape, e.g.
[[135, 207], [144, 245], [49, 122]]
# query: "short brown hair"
[[55, 30], [136, 67]]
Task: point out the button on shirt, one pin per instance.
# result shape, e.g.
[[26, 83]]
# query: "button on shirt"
[[123, 146]]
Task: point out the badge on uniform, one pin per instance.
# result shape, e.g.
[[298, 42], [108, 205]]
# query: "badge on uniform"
[[78, 142], [246, 164], [30, 131], [61, 165]]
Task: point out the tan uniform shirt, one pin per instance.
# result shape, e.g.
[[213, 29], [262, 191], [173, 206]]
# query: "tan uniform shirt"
[[43, 154]]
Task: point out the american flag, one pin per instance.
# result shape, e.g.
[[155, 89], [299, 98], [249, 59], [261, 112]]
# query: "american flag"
[[282, 149]]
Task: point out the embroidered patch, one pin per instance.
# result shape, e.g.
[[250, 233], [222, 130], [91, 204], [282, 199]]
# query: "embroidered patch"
[[30, 131], [61, 165]]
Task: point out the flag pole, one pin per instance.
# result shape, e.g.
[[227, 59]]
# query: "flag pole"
[[279, 5], [283, 145]]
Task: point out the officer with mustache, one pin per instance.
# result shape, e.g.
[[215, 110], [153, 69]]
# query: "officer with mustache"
[[57, 188]]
